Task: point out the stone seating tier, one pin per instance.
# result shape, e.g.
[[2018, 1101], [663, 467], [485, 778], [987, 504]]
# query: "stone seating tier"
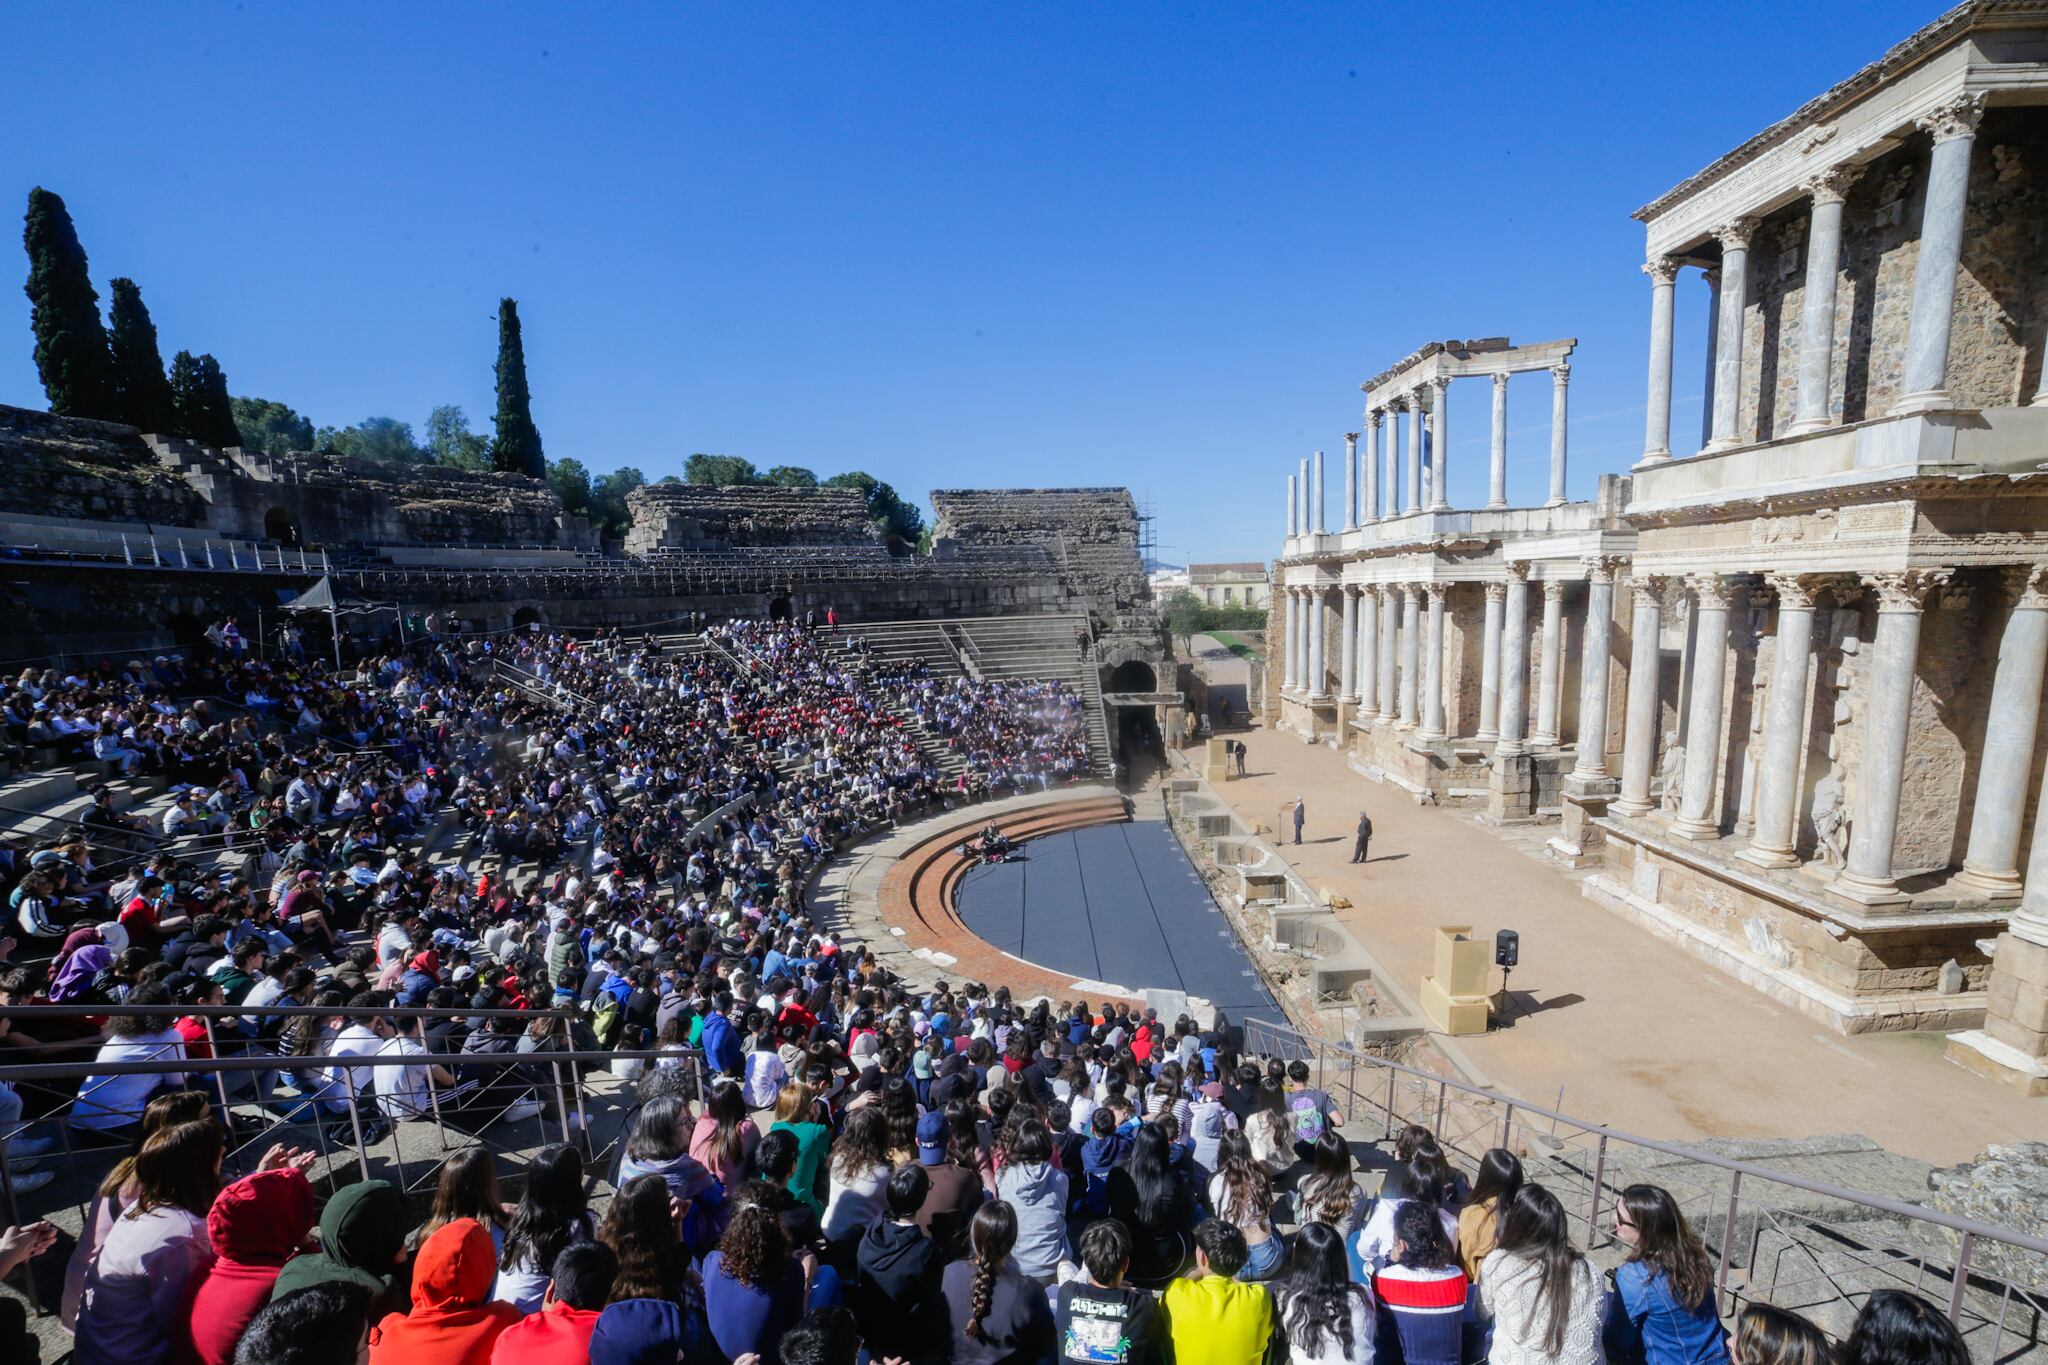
[[685, 515]]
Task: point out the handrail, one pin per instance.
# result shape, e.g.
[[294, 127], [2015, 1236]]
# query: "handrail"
[[291, 1061], [1919, 1212]]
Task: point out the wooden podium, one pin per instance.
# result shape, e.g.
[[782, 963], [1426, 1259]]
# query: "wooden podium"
[[1454, 997]]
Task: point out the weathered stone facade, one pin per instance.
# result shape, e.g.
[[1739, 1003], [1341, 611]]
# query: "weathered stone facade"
[[687, 516]]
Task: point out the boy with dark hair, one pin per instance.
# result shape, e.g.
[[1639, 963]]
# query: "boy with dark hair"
[[1208, 1317], [322, 1324], [1099, 1319], [559, 1334], [895, 1295]]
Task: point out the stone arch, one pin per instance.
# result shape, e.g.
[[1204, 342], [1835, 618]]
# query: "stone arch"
[[780, 608], [1133, 675], [281, 526], [528, 616]]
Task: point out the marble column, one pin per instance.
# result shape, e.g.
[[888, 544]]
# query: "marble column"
[[1923, 386], [1886, 723], [1320, 486], [1734, 294], [1773, 842], [1489, 666], [1301, 630], [1548, 672], [1497, 462], [1307, 520], [1293, 508], [1591, 764], [1390, 485], [1645, 675], [1411, 652], [1433, 665], [1350, 480], [1560, 376], [1663, 273], [1411, 489], [1817, 308], [1368, 650], [1390, 650], [1370, 512], [1514, 662], [1287, 621], [1318, 684], [1347, 661], [1991, 867], [1439, 446], [1713, 282], [1697, 816]]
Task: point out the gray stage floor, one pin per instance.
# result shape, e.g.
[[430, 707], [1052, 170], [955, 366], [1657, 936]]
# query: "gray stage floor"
[[1116, 903]]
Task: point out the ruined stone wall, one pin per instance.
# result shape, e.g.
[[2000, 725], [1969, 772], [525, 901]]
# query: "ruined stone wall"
[[1091, 533], [1274, 667], [704, 516], [96, 471]]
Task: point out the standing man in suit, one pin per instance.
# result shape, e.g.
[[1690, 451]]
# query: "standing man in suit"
[[1300, 814], [1358, 847]]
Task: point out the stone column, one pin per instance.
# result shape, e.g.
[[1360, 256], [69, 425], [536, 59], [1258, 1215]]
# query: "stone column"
[[1307, 521], [1697, 816], [1347, 662], [1439, 447], [1887, 716], [1497, 464], [1390, 483], [1560, 375], [1433, 665], [1591, 765], [1411, 652], [1350, 480], [1991, 867], [1663, 273], [1321, 487], [1287, 675], [1713, 279], [1293, 509], [1514, 663], [1301, 632], [1370, 512], [1368, 650], [1318, 686], [2012, 1047], [1489, 666], [1390, 650], [1734, 294], [1924, 384], [1639, 737], [1547, 670], [1817, 310], [1411, 490], [1773, 842]]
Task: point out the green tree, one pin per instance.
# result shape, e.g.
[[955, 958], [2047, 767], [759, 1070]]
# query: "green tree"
[[142, 392], [608, 500], [896, 517], [450, 441], [373, 438], [188, 403], [790, 476], [72, 356], [571, 482], [517, 449], [722, 470], [272, 428], [1186, 615], [215, 421]]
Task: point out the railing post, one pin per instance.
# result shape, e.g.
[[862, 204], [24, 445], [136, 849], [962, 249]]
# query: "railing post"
[[1392, 1076], [355, 1122], [1593, 1205], [1507, 1122], [1443, 1094], [1728, 1231], [1962, 1279]]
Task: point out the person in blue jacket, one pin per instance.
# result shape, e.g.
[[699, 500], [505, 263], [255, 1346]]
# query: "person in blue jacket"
[[721, 1039], [1662, 1310]]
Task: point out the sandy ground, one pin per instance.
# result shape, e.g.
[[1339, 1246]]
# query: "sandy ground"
[[1640, 1035]]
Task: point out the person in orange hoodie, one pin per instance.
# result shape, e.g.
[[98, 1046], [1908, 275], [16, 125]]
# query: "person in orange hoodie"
[[559, 1334], [255, 1226], [453, 1320]]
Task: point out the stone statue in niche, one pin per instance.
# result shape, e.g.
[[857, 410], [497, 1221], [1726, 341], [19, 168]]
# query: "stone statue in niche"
[[1831, 821], [1670, 777]]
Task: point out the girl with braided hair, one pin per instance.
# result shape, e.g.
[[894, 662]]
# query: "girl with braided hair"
[[998, 1316]]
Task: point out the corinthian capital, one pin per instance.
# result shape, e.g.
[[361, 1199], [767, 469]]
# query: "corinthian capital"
[[1517, 570], [1831, 186], [1905, 590], [1735, 236], [1957, 118], [1351, 440], [1662, 270], [1553, 590], [1602, 568], [1796, 591], [2028, 586], [1711, 590], [1496, 592]]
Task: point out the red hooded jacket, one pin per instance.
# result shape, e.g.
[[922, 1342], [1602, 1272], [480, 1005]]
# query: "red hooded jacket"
[[453, 1321], [255, 1225], [556, 1335]]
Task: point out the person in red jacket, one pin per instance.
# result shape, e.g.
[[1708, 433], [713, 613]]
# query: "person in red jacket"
[[559, 1334], [256, 1225], [453, 1320]]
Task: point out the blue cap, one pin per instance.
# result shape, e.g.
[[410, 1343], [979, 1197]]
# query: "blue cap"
[[931, 1139]]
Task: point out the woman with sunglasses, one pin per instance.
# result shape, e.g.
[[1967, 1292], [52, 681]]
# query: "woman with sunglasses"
[[1662, 1311]]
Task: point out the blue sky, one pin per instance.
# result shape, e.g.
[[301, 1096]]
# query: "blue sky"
[[982, 245]]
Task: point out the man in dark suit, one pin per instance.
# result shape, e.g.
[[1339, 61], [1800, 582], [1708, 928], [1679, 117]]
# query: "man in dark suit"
[[1358, 847]]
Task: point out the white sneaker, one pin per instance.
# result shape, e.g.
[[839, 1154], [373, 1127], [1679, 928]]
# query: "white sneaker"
[[522, 1110], [32, 1180]]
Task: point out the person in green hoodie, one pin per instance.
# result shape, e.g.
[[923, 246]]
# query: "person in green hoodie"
[[362, 1241]]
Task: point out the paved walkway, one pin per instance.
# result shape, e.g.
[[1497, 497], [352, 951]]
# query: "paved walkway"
[[1640, 1035]]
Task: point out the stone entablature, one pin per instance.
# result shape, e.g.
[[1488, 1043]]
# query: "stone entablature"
[[691, 516]]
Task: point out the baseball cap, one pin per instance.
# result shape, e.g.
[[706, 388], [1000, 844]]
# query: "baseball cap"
[[1214, 1090], [931, 1139]]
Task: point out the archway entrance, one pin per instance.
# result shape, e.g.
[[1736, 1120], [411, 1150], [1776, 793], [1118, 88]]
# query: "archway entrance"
[[1133, 675], [280, 526], [528, 616], [780, 609]]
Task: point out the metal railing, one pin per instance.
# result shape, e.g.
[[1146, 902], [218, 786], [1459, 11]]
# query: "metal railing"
[[1805, 1245]]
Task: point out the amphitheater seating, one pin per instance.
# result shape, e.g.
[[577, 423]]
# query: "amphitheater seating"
[[917, 894]]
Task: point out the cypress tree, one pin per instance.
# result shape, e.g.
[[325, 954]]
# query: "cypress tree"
[[143, 392], [188, 397], [216, 424], [517, 449], [71, 345]]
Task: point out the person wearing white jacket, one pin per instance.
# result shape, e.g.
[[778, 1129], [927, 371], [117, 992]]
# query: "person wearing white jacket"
[[1543, 1296]]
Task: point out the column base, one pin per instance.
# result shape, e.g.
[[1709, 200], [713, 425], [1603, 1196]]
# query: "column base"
[[1975, 1050], [1809, 424], [1926, 400], [1866, 890], [1769, 857], [1719, 444], [1431, 736], [1554, 502], [1543, 741], [1633, 808], [1652, 458], [1486, 737], [1510, 748], [1695, 831], [1439, 507], [1349, 527], [1592, 786], [1995, 886], [1500, 506]]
